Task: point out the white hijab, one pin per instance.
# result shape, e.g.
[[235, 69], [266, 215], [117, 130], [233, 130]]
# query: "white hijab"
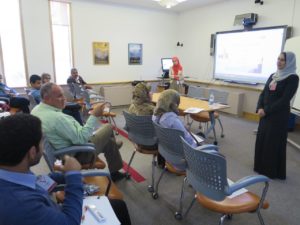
[[288, 70]]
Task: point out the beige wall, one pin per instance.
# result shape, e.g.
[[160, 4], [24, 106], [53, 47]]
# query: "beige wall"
[[158, 31]]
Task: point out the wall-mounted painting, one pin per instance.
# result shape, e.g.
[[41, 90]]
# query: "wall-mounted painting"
[[101, 53], [135, 54]]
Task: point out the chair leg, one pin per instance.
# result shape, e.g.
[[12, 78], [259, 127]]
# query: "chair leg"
[[151, 186], [215, 135], [261, 202], [190, 206], [261, 220], [189, 124], [222, 219], [222, 130], [155, 193], [114, 122], [128, 166], [178, 214]]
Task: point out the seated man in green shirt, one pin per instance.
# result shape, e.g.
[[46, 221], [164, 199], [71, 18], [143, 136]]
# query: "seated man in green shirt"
[[63, 130]]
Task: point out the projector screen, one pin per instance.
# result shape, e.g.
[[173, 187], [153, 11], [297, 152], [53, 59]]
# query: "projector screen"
[[248, 56]]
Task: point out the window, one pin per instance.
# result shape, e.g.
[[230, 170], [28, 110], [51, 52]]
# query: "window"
[[62, 43], [12, 64]]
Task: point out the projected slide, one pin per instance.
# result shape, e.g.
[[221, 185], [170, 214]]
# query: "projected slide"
[[248, 56]]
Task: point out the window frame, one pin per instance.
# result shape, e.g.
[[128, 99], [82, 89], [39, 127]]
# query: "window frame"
[[2, 66], [70, 34]]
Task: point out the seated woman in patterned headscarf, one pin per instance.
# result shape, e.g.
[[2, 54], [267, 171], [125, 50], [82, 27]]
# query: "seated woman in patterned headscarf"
[[141, 106], [141, 103], [166, 114]]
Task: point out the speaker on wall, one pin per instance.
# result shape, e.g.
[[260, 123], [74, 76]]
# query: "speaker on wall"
[[289, 32], [212, 44]]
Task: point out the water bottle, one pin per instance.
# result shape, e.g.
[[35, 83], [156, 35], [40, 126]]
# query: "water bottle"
[[211, 99]]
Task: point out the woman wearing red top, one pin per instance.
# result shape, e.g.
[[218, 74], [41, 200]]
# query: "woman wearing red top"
[[175, 74]]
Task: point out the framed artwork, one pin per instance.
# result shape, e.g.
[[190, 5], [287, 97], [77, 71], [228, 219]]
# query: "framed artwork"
[[101, 53], [135, 54]]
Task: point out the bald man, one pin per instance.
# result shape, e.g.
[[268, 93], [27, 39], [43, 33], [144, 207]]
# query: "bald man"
[[63, 130]]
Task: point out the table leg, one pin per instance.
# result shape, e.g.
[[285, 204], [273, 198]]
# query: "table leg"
[[212, 127]]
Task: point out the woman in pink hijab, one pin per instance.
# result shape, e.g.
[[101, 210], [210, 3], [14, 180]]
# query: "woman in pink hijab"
[[175, 74]]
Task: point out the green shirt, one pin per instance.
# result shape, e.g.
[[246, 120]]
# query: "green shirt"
[[61, 129]]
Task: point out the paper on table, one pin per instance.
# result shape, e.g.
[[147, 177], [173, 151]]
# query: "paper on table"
[[193, 110], [236, 193], [216, 106], [103, 206]]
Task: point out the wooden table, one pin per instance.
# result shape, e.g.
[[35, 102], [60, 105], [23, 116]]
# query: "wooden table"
[[187, 102]]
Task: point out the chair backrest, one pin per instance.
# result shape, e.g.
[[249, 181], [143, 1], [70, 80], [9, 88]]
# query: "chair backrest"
[[219, 96], [154, 87], [169, 144], [206, 171], [96, 97], [32, 101], [140, 129], [49, 154], [27, 90], [77, 90], [196, 92]]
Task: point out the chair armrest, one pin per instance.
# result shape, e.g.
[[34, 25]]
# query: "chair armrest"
[[5, 99], [89, 144], [98, 172], [74, 149], [208, 147], [95, 172], [245, 182], [59, 187]]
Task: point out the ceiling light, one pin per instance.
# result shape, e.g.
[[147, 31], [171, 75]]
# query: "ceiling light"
[[169, 3]]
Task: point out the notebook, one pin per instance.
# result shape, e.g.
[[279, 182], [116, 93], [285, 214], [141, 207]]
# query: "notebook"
[[197, 138], [193, 110]]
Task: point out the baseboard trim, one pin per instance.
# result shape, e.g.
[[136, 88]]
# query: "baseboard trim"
[[251, 116], [255, 117]]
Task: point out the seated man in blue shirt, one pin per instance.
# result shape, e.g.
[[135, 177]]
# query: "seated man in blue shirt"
[[12, 96], [23, 200], [35, 83]]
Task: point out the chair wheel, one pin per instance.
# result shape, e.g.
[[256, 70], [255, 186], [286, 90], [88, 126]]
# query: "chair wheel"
[[222, 135], [155, 195], [215, 143], [150, 189], [178, 216], [127, 176], [229, 216]]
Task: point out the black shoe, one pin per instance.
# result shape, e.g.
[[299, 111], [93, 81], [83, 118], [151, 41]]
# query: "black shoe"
[[116, 176]]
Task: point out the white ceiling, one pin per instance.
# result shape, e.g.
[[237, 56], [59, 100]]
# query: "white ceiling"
[[150, 4]]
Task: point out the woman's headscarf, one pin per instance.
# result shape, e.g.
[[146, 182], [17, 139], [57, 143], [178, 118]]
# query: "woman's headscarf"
[[178, 67], [140, 94], [168, 102], [289, 69]]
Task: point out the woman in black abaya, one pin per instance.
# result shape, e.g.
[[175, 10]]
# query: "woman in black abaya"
[[273, 109]]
